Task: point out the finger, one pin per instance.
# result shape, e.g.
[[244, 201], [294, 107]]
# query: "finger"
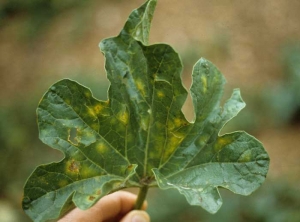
[[119, 203], [109, 207], [136, 216]]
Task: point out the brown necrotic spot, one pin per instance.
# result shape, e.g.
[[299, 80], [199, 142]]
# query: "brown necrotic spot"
[[91, 198], [74, 166]]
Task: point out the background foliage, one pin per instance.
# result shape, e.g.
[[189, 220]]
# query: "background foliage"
[[255, 44]]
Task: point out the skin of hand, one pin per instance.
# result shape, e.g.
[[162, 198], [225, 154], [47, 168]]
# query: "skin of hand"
[[115, 207]]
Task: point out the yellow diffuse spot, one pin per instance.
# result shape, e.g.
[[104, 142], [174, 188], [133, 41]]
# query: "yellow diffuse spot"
[[160, 94], [86, 135], [68, 101], [73, 166], [117, 185], [95, 126], [62, 183], [222, 142], [153, 155], [130, 167], [91, 198], [101, 147], [123, 116], [87, 94], [179, 122], [91, 112], [204, 82], [174, 141], [245, 157], [171, 147], [98, 109], [203, 138], [171, 125], [87, 171], [140, 86], [178, 135]]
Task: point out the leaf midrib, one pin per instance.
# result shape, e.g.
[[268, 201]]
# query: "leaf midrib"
[[151, 114]]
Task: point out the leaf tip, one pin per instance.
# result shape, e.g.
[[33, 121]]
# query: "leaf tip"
[[139, 22]]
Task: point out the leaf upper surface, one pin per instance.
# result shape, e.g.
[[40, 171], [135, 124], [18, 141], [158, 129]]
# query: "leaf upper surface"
[[140, 136]]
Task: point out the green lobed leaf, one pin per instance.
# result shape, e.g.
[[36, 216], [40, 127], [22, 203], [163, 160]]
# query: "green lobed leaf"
[[139, 136]]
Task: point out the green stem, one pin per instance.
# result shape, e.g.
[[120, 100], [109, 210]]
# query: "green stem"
[[141, 198]]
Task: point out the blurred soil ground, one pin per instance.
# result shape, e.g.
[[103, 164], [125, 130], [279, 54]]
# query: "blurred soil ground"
[[244, 39]]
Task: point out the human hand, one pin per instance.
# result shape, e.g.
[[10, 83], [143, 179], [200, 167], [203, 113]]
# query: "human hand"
[[111, 208]]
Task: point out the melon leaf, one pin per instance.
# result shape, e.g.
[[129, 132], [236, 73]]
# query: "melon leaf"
[[140, 137]]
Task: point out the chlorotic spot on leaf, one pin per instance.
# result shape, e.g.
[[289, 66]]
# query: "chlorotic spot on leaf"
[[139, 136], [91, 198], [101, 148], [73, 166]]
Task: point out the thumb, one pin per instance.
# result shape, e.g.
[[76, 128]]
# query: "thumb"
[[136, 216]]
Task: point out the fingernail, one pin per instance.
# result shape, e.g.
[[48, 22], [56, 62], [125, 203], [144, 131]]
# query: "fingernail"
[[138, 218]]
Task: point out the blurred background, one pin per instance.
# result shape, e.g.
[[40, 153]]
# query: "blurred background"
[[256, 45]]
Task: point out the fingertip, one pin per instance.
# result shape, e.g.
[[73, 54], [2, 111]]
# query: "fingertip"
[[109, 207], [136, 216]]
